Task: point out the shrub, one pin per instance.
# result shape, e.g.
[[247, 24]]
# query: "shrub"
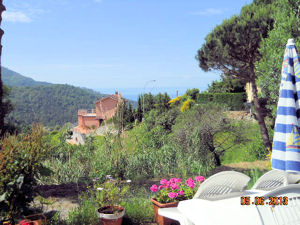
[[20, 158], [86, 213], [197, 134], [235, 101], [187, 105]]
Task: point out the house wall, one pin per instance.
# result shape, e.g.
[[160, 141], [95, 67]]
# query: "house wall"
[[80, 121], [90, 121], [106, 108]]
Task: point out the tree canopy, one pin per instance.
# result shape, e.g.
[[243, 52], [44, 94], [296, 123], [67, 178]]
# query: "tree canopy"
[[287, 25], [232, 47]]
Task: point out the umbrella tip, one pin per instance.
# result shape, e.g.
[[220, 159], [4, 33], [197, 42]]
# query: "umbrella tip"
[[291, 42]]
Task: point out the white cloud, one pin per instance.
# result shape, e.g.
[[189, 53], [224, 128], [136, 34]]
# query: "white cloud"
[[208, 12], [15, 17]]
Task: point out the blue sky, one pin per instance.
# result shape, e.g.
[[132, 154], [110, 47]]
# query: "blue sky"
[[103, 44]]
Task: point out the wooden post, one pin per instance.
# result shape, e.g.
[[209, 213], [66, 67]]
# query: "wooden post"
[[2, 113]]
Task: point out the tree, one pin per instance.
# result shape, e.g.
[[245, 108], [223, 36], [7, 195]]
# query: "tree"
[[161, 102], [287, 25], [20, 164], [2, 110], [232, 47], [192, 93], [205, 133], [139, 110], [226, 84]]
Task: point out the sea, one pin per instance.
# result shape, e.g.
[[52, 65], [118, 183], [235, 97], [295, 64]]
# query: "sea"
[[133, 93]]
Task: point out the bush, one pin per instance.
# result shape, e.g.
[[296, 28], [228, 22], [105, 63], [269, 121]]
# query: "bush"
[[235, 101], [204, 98], [197, 135], [20, 158], [251, 149]]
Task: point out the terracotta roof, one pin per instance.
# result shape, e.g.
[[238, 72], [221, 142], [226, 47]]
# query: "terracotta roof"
[[114, 97]]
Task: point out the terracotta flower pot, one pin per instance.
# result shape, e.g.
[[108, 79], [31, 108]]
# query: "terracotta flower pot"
[[37, 219], [160, 219], [111, 215]]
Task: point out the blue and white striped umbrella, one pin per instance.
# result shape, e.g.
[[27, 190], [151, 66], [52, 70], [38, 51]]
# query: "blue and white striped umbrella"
[[286, 142]]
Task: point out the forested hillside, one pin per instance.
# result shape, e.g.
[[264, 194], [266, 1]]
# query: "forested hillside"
[[12, 78], [51, 105]]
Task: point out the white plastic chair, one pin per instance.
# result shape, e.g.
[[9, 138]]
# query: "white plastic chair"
[[275, 179], [282, 214], [226, 184], [271, 180]]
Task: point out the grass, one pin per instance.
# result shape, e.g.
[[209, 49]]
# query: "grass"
[[254, 174], [248, 151]]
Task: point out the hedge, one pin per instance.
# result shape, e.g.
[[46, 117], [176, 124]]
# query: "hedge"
[[235, 101]]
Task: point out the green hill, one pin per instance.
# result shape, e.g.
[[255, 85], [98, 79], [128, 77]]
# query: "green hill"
[[12, 78], [50, 105]]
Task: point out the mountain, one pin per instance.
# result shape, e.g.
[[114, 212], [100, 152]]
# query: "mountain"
[[12, 78], [49, 104]]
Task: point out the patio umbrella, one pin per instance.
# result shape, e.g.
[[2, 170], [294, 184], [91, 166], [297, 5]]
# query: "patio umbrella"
[[286, 142]]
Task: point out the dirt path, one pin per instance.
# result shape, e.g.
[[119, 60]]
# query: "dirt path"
[[242, 166]]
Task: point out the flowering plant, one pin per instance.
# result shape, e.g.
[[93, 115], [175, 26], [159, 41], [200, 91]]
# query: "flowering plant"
[[175, 189], [111, 192]]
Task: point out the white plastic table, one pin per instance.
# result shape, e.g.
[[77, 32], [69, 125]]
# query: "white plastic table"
[[221, 212]]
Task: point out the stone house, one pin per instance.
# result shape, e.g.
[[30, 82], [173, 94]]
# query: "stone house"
[[106, 108]]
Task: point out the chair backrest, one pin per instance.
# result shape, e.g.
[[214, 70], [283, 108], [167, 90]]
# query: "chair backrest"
[[223, 185], [271, 180], [282, 214]]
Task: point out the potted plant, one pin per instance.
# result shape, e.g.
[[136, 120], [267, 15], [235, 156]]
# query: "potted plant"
[[170, 192], [110, 197]]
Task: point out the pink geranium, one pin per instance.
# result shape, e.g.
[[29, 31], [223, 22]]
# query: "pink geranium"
[[173, 195], [181, 192], [167, 185], [176, 189], [163, 181], [189, 180], [174, 186], [173, 180], [153, 188], [199, 179], [178, 180]]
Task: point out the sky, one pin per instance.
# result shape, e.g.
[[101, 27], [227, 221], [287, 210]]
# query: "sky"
[[112, 44]]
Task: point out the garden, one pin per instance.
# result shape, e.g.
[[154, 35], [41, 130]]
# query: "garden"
[[165, 157], [164, 148]]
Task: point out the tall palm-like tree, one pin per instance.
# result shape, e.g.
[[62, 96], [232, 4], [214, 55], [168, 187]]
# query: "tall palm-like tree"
[[2, 112]]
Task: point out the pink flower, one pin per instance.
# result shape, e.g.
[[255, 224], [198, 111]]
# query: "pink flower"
[[153, 188], [173, 195], [173, 180], [181, 192], [191, 185], [163, 181], [189, 180], [178, 180], [174, 186], [161, 187], [199, 179], [168, 184]]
